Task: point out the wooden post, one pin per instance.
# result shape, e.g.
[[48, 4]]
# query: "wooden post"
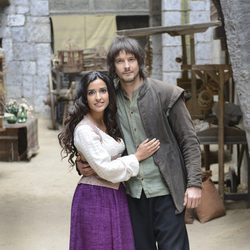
[[2, 91], [221, 131], [220, 74], [193, 78]]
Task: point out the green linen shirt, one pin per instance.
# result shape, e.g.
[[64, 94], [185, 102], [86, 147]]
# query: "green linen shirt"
[[149, 178]]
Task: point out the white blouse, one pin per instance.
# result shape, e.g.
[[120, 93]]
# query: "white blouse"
[[103, 153]]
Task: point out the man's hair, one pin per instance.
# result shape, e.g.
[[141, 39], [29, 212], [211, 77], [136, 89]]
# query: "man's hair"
[[129, 45]]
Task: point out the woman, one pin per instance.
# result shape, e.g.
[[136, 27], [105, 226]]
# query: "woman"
[[99, 215]]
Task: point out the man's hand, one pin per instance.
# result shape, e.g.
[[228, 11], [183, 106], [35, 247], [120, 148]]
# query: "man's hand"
[[84, 168], [192, 197]]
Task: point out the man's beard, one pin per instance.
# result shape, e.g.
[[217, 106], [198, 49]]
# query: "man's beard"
[[130, 78]]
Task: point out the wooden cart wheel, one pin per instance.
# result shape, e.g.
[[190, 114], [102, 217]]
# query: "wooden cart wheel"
[[69, 96]]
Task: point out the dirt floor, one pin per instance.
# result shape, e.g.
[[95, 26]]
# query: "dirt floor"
[[35, 200]]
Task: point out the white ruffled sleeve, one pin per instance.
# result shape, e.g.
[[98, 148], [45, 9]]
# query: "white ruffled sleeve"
[[88, 143]]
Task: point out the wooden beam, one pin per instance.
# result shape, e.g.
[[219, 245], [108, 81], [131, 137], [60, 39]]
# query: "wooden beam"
[[178, 30], [221, 132]]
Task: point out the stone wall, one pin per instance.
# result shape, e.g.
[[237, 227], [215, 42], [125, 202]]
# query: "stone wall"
[[117, 7], [26, 38], [25, 33]]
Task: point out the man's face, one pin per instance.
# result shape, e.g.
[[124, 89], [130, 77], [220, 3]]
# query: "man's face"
[[126, 67]]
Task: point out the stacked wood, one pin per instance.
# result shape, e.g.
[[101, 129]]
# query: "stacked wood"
[[75, 61], [94, 60], [70, 61]]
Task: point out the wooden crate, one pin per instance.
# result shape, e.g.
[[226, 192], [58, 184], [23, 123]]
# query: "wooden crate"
[[70, 61], [93, 60]]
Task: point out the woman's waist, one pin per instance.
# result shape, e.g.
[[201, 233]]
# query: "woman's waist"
[[96, 180]]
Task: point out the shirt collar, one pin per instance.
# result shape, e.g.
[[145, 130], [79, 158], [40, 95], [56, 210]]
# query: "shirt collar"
[[135, 93]]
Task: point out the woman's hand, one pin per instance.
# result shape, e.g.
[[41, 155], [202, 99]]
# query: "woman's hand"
[[147, 148]]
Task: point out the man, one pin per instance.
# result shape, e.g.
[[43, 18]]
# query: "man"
[[171, 179]]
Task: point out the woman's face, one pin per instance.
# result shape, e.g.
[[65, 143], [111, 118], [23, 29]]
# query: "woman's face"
[[97, 96]]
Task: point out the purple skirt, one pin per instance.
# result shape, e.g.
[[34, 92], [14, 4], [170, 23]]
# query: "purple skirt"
[[100, 219]]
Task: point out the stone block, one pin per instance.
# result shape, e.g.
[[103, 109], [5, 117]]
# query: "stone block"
[[169, 58], [206, 36], [38, 33], [140, 5], [200, 5], [13, 91], [22, 9], [39, 8], [168, 40], [23, 51], [171, 77], [28, 67], [3, 19], [171, 5], [20, 2], [8, 49], [39, 106], [110, 5], [43, 50], [70, 5], [18, 34], [13, 72], [44, 67], [171, 18], [28, 81], [37, 20], [28, 87], [41, 91], [199, 16], [41, 83], [16, 20], [6, 32], [11, 9], [203, 52]]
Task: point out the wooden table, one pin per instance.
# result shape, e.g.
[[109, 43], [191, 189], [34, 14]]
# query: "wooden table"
[[19, 141], [232, 136]]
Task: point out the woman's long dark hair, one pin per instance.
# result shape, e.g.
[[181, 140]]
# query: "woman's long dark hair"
[[129, 45], [81, 108]]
